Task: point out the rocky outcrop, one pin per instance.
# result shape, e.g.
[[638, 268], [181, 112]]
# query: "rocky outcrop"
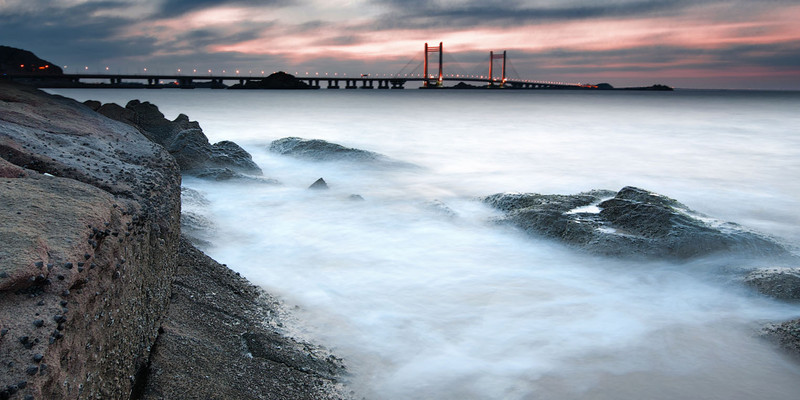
[[99, 298], [90, 237], [321, 150], [220, 318], [277, 80], [184, 140], [18, 61], [631, 222]]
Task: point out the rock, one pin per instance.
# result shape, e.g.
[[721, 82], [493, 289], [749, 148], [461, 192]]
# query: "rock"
[[319, 184], [321, 150], [786, 335], [13, 60], [632, 222], [79, 181], [440, 208], [99, 172], [185, 140], [197, 228], [779, 283], [248, 359]]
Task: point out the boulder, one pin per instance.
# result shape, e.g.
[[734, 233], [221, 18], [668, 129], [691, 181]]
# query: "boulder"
[[184, 140], [321, 150], [631, 222]]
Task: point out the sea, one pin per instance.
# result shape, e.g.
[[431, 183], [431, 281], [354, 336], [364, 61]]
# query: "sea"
[[424, 295]]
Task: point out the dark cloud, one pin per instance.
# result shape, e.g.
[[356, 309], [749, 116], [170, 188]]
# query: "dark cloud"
[[171, 8], [69, 37], [425, 14]]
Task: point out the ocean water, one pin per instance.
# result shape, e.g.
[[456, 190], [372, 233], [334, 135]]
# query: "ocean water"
[[425, 297]]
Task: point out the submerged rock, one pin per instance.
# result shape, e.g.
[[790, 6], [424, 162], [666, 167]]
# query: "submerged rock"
[[321, 150], [319, 184], [632, 222]]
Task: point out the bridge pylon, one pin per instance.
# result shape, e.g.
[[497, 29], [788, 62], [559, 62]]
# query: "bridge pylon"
[[493, 57], [432, 49]]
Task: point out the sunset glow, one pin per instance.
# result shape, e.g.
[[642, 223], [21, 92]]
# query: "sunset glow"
[[545, 41]]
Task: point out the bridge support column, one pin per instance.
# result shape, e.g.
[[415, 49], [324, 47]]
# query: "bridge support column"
[[493, 57], [351, 84], [383, 84], [397, 83], [333, 84], [367, 84], [440, 77]]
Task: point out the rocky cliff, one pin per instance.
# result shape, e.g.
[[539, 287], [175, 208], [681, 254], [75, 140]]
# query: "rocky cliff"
[[98, 297]]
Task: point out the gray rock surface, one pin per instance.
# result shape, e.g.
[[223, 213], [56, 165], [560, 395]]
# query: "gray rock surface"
[[221, 340], [89, 242], [319, 184], [321, 150], [631, 222], [782, 284], [184, 140], [786, 335], [777, 282]]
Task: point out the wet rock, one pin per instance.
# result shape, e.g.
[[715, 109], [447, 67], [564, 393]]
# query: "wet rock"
[[248, 359], [785, 335], [321, 150], [319, 184], [777, 282], [631, 222]]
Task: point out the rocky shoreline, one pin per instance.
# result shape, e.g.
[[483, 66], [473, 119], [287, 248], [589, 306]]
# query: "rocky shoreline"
[[103, 295], [99, 295]]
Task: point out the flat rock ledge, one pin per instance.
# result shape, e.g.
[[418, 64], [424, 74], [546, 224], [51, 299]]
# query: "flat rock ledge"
[[632, 223]]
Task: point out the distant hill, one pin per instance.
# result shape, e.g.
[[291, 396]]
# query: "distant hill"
[[16, 61], [278, 80]]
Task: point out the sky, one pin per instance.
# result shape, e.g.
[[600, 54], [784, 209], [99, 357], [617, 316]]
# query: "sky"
[[725, 44]]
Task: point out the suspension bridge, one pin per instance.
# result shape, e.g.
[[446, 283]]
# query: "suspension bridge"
[[487, 77]]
